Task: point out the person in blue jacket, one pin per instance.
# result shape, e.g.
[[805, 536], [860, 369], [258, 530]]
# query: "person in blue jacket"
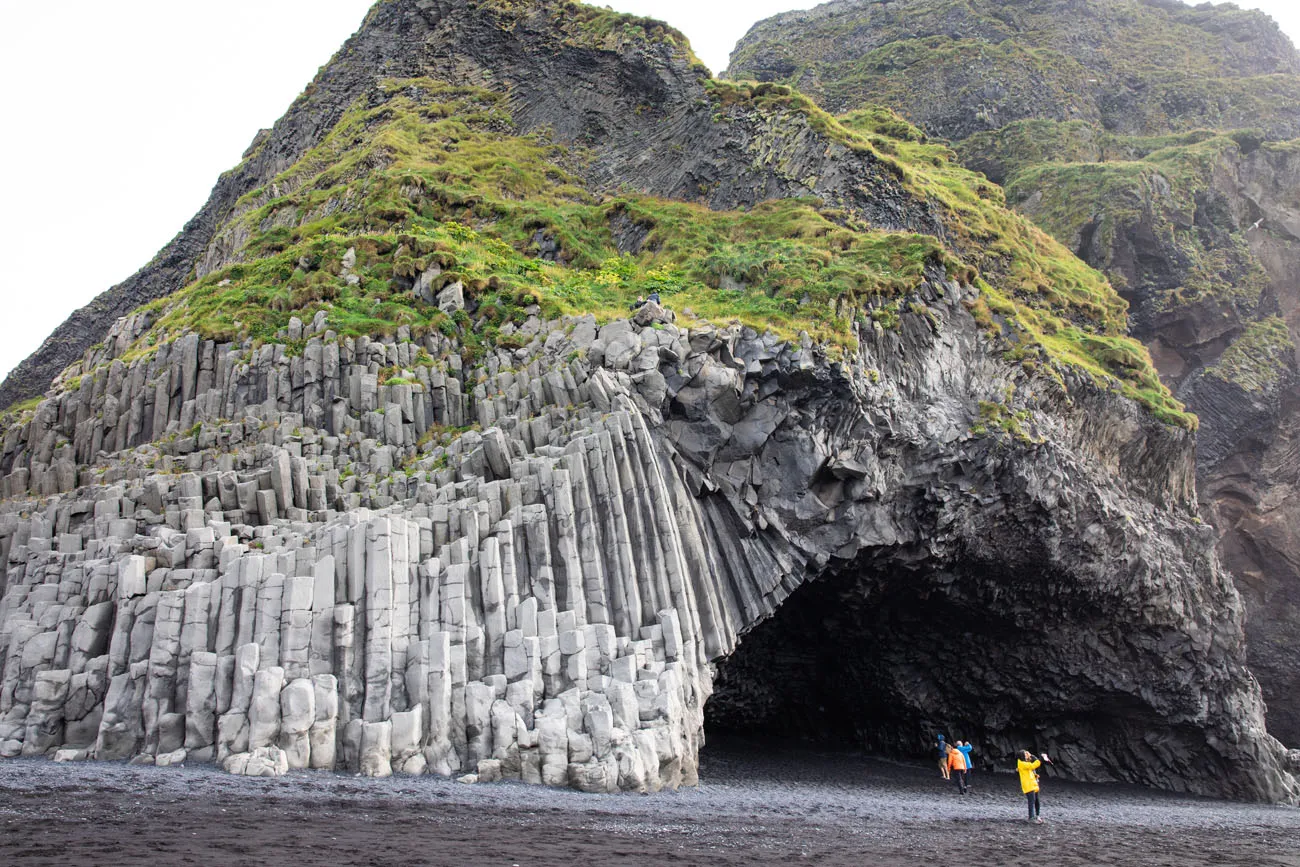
[[965, 748], [942, 747]]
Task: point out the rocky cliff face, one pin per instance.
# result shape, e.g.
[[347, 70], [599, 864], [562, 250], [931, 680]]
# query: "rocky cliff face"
[[1195, 229], [391, 485], [957, 67], [1209, 260], [638, 106], [542, 600]]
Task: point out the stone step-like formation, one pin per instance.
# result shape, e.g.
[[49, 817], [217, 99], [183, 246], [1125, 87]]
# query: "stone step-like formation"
[[378, 557], [521, 612]]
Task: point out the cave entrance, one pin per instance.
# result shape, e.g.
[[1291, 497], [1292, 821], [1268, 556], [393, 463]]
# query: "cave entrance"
[[878, 657]]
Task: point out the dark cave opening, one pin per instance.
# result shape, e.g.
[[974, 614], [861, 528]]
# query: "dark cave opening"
[[880, 659]]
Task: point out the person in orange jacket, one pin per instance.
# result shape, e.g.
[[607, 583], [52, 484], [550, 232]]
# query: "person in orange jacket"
[[965, 748], [957, 767], [1028, 766]]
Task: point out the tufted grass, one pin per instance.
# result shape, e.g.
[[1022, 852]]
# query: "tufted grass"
[[426, 174], [1258, 359]]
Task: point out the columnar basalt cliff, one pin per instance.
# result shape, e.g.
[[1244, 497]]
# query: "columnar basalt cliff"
[[541, 600], [1100, 120], [391, 484]]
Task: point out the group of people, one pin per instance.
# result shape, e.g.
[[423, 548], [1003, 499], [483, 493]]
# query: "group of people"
[[955, 765]]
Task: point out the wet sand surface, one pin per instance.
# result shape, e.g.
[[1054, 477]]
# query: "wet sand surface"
[[752, 807]]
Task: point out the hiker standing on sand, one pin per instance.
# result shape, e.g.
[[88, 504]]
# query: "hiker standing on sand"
[[965, 748], [957, 768], [942, 747], [1028, 767]]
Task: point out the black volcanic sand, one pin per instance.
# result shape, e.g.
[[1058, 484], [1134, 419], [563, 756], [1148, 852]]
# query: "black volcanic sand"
[[753, 807]]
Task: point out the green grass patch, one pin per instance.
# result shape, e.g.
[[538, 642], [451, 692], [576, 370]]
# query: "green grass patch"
[[424, 178], [1157, 193], [1258, 359], [15, 412]]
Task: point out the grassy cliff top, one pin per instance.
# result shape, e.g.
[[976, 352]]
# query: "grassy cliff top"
[[426, 178], [423, 185], [585, 25], [433, 177], [957, 67]]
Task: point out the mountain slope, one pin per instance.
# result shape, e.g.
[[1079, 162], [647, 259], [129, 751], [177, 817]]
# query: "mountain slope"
[[956, 67], [393, 483]]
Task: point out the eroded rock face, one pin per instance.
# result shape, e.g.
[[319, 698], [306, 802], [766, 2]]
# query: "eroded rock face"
[[545, 600], [956, 69], [522, 561], [1201, 240], [1225, 341]]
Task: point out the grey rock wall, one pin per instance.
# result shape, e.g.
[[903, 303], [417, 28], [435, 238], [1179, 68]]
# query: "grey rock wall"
[[527, 566]]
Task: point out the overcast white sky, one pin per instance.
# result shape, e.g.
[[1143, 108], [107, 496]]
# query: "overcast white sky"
[[118, 118]]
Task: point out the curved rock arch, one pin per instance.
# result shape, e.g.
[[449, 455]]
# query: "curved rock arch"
[[1047, 586]]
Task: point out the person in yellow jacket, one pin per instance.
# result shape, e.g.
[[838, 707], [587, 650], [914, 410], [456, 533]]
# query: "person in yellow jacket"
[[1028, 766]]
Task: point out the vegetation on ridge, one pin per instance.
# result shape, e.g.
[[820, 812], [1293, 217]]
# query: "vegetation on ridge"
[[439, 180], [1162, 191], [1259, 359], [428, 181], [589, 26], [962, 66], [1110, 123]]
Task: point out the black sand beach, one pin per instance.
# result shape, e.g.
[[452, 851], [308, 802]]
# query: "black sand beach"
[[796, 806]]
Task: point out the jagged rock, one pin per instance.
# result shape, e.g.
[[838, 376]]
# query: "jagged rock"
[[423, 288], [1201, 239], [452, 298], [261, 762], [651, 313], [977, 69], [522, 671]]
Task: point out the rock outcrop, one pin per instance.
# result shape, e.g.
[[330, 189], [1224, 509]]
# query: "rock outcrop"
[[1074, 107], [1209, 259], [639, 105], [542, 600], [372, 491], [1135, 67]]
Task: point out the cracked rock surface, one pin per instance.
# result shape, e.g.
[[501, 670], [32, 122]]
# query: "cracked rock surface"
[[544, 598]]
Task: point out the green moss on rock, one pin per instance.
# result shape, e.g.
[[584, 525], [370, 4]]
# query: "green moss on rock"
[[958, 67], [427, 181], [1259, 359]]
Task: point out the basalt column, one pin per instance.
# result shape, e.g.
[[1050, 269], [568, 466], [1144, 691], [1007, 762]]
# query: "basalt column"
[[544, 596]]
